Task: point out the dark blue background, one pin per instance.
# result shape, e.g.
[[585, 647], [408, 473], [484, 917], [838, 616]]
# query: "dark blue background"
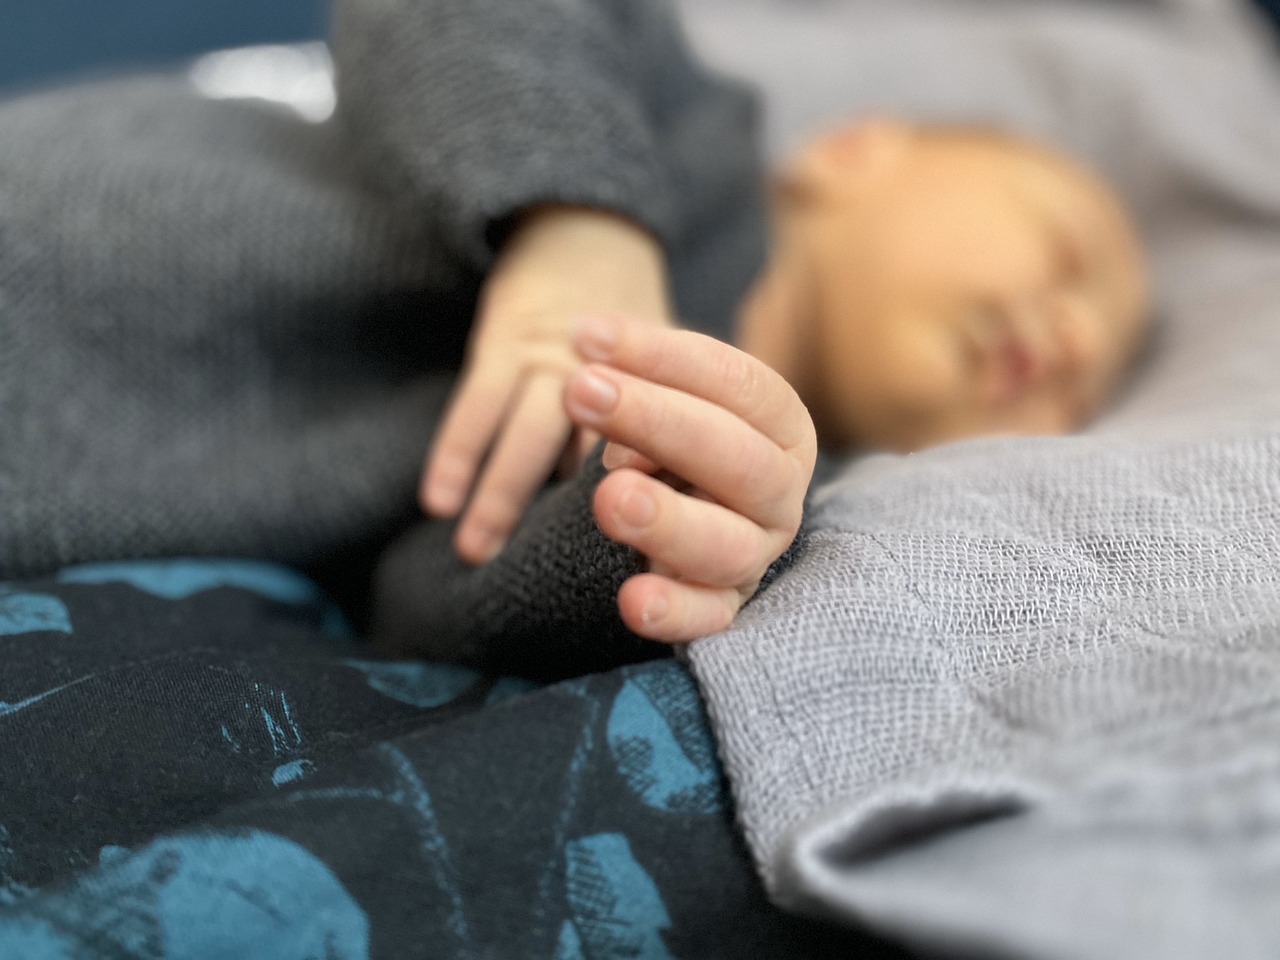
[[1272, 7], [41, 40]]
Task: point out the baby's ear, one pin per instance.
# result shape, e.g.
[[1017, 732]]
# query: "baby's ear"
[[867, 142], [850, 155]]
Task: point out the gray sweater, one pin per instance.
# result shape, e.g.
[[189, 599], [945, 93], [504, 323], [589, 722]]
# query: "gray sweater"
[[225, 330]]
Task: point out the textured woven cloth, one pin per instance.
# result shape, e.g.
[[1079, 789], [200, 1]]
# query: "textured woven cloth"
[[200, 762], [1015, 696], [222, 329], [544, 608], [1019, 697]]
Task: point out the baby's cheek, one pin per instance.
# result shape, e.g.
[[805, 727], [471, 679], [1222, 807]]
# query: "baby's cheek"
[[1088, 340], [930, 372], [925, 391]]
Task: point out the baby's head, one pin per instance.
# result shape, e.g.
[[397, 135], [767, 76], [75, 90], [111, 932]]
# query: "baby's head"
[[942, 283]]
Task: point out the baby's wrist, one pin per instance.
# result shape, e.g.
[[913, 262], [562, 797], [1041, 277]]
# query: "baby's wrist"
[[588, 245]]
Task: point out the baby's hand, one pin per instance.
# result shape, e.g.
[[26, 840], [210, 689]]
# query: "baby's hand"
[[506, 429], [710, 455]]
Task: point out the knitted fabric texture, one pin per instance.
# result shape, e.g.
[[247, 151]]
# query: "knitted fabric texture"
[[544, 608]]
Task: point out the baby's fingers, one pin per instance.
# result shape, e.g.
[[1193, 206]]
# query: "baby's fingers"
[[474, 414], [617, 455], [684, 536], [656, 607], [707, 368], [532, 441], [704, 444]]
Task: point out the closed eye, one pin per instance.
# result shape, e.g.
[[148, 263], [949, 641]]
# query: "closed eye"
[[1069, 254]]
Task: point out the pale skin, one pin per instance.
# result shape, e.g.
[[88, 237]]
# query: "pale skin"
[[735, 448], [577, 286], [924, 286]]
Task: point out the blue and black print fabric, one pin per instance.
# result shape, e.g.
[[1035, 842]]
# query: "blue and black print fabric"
[[201, 762]]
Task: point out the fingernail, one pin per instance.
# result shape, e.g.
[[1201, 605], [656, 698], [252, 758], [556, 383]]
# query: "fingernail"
[[637, 509], [445, 500], [655, 610], [592, 394], [485, 544], [595, 337], [613, 457]]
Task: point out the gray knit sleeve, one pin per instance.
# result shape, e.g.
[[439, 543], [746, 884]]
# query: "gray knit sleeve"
[[477, 108]]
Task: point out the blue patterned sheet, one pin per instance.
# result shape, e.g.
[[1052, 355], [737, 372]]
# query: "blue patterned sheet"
[[202, 761]]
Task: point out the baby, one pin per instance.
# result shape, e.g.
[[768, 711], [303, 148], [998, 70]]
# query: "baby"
[[924, 285], [225, 329]]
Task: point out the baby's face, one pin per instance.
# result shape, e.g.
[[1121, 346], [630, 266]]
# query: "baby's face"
[[960, 284]]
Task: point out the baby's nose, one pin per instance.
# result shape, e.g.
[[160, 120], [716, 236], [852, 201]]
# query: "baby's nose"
[[1033, 330], [1078, 331]]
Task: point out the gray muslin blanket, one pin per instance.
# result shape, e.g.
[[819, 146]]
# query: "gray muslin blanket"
[[1022, 696]]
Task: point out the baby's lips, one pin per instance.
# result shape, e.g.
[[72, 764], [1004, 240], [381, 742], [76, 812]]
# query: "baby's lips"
[[1015, 368]]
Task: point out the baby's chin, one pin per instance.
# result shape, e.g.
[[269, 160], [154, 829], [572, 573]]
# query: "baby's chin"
[[911, 430]]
